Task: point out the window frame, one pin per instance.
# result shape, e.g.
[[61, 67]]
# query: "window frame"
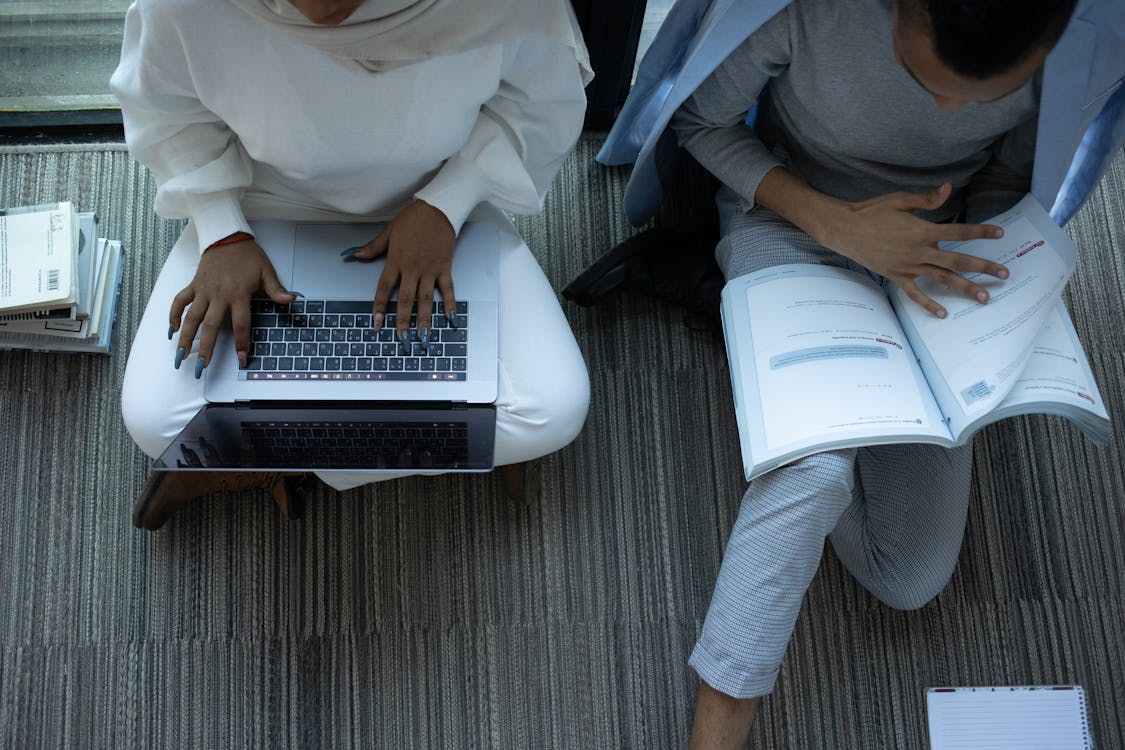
[[612, 31]]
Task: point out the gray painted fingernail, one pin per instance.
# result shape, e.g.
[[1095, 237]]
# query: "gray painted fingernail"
[[455, 319], [295, 294], [351, 251], [171, 330], [180, 354], [426, 339], [199, 365]]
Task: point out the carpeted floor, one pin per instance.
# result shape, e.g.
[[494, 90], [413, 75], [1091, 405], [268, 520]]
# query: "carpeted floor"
[[435, 613]]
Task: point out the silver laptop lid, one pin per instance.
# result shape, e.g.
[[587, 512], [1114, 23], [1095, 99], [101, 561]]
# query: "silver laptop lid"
[[307, 258]]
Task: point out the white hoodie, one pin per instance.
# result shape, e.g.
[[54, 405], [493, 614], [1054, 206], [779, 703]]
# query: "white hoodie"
[[238, 119]]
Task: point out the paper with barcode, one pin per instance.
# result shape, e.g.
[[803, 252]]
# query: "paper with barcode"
[[1008, 718], [38, 257]]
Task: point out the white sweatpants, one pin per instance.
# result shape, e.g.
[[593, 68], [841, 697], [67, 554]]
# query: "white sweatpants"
[[544, 389]]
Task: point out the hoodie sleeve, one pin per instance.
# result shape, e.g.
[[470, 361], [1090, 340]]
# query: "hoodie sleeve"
[[521, 137], [199, 165]]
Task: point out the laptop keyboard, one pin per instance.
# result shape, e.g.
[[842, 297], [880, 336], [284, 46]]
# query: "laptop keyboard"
[[334, 340], [312, 445]]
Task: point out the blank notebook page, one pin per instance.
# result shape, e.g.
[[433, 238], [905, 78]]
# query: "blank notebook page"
[[1008, 718]]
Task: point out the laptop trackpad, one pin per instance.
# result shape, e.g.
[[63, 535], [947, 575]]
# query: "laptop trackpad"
[[319, 271]]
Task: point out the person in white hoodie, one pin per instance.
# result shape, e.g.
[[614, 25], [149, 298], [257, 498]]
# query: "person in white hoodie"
[[420, 113]]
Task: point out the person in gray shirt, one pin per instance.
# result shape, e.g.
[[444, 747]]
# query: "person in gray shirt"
[[881, 126]]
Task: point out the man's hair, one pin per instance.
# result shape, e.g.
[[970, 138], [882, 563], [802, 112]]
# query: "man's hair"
[[983, 38]]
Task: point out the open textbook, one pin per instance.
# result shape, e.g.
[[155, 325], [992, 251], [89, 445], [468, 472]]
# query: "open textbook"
[[823, 358]]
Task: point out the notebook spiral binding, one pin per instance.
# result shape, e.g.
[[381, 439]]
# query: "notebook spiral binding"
[[1087, 738]]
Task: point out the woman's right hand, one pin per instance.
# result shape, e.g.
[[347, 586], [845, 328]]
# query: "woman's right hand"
[[227, 277]]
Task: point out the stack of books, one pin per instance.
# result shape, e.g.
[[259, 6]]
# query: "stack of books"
[[59, 282]]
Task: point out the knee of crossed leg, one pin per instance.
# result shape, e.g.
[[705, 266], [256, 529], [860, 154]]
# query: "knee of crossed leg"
[[906, 600], [911, 589], [565, 412], [547, 412]]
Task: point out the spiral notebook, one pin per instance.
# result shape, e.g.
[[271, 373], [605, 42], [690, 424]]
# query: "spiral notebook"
[[1051, 717]]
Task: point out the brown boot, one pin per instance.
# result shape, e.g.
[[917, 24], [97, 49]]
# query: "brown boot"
[[520, 481], [166, 492]]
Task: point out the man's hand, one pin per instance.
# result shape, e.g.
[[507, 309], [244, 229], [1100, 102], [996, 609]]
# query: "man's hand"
[[884, 235], [227, 277], [418, 244]]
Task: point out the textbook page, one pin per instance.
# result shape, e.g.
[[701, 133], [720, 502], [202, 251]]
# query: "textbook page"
[[973, 357], [1056, 380], [818, 361], [1008, 718], [38, 259]]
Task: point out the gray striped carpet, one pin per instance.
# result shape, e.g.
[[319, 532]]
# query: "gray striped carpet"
[[436, 613]]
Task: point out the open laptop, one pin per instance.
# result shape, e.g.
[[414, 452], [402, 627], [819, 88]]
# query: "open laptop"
[[326, 391]]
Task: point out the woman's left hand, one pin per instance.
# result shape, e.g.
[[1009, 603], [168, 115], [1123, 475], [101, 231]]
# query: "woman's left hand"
[[418, 244]]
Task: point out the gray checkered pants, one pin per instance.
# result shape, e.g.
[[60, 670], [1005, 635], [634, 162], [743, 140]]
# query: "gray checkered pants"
[[895, 514]]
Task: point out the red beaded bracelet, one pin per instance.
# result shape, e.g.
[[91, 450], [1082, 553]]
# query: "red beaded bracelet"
[[232, 240]]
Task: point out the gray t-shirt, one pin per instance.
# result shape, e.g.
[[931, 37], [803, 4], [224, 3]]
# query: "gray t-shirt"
[[839, 112]]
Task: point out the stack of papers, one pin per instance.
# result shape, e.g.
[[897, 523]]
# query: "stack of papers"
[[59, 282]]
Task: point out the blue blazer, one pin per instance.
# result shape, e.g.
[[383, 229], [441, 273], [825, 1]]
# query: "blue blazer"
[[1081, 115]]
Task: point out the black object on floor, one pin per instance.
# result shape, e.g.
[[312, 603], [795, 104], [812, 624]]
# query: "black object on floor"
[[675, 264]]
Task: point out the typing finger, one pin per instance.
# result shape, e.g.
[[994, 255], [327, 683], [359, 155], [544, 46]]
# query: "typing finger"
[[176, 312], [208, 332], [192, 319], [407, 289], [448, 297], [388, 280], [425, 309], [240, 322], [271, 285], [371, 250]]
